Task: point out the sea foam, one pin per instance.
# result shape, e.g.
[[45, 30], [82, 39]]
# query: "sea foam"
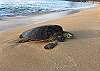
[[9, 9]]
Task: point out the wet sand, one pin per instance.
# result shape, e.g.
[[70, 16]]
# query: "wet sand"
[[79, 54], [13, 22]]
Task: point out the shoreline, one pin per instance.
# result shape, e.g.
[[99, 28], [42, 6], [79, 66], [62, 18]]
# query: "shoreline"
[[14, 22], [79, 54], [25, 20]]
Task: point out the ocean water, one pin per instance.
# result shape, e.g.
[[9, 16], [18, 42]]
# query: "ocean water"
[[25, 8]]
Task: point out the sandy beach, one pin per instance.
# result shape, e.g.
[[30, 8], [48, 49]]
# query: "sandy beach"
[[79, 54]]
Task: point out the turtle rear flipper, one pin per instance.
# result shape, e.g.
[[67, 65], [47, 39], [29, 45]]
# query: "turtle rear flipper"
[[22, 40], [17, 42]]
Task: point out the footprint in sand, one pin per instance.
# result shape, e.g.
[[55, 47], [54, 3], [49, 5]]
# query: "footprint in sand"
[[64, 63]]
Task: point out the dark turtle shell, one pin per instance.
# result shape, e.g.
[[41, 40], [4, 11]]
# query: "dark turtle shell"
[[42, 32]]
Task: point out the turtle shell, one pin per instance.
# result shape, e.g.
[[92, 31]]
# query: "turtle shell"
[[42, 32]]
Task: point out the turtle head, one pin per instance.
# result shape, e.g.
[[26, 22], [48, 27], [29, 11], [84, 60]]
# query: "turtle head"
[[68, 35], [63, 36]]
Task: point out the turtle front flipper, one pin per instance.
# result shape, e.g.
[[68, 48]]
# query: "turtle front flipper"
[[51, 45]]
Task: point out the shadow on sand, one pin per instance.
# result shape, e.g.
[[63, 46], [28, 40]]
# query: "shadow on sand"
[[86, 34]]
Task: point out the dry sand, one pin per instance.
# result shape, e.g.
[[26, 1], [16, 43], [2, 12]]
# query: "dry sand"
[[79, 54]]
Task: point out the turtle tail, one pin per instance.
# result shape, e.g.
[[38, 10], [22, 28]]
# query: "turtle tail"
[[22, 40]]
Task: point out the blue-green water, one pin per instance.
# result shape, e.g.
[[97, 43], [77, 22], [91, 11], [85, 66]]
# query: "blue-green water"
[[8, 8]]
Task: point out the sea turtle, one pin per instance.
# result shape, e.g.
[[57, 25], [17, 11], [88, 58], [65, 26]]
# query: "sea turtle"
[[50, 33]]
